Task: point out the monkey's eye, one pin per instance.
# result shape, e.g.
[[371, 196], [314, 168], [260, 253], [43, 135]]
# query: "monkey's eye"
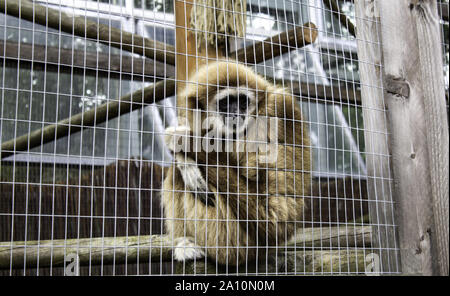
[[200, 106], [223, 104], [234, 104], [243, 103]]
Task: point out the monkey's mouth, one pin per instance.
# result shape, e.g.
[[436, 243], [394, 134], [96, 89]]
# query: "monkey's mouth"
[[229, 130]]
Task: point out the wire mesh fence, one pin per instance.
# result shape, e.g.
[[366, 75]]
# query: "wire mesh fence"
[[127, 129]]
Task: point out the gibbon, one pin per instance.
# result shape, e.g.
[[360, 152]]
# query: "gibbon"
[[233, 203]]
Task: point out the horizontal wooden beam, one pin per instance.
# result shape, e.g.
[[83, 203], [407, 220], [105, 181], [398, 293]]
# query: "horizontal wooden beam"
[[146, 68], [160, 90], [276, 45], [94, 251], [317, 262], [151, 94], [86, 60], [346, 94], [331, 237], [84, 28], [80, 26], [102, 113]]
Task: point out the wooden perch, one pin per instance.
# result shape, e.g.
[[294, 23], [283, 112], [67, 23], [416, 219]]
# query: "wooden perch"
[[343, 19], [313, 250], [276, 45], [92, 117], [51, 57], [323, 94], [92, 251], [80, 26], [299, 262], [329, 237], [299, 254]]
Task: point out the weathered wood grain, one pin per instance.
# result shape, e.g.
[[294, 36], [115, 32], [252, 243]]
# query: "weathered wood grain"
[[299, 253], [379, 183], [418, 133], [437, 132], [190, 56], [91, 251], [325, 94], [97, 62], [276, 45], [331, 237], [317, 262]]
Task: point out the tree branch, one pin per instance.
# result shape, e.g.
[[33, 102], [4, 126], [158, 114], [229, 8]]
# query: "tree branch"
[[92, 117]]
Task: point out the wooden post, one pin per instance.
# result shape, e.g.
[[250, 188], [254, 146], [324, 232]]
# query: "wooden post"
[[379, 184], [189, 55], [183, 47], [419, 140]]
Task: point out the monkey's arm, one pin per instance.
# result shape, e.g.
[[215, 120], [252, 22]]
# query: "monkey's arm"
[[188, 168], [287, 147], [193, 179]]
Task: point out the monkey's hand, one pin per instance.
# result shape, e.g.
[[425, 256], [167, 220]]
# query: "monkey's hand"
[[176, 136], [186, 249], [194, 180]]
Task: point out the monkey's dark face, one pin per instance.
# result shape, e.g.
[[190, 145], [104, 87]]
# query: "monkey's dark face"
[[222, 98], [233, 105], [229, 111]]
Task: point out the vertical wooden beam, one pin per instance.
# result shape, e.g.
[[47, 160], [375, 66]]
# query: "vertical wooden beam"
[[184, 46], [379, 184], [433, 87], [189, 55], [415, 97]]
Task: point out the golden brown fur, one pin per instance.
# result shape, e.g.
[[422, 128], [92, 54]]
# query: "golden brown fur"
[[258, 204]]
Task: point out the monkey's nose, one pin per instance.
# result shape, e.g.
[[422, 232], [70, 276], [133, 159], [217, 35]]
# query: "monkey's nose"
[[233, 105]]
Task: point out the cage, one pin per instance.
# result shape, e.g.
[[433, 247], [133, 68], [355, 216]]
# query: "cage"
[[248, 137]]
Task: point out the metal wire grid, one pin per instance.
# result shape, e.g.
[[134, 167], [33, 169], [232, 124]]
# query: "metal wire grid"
[[77, 170]]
